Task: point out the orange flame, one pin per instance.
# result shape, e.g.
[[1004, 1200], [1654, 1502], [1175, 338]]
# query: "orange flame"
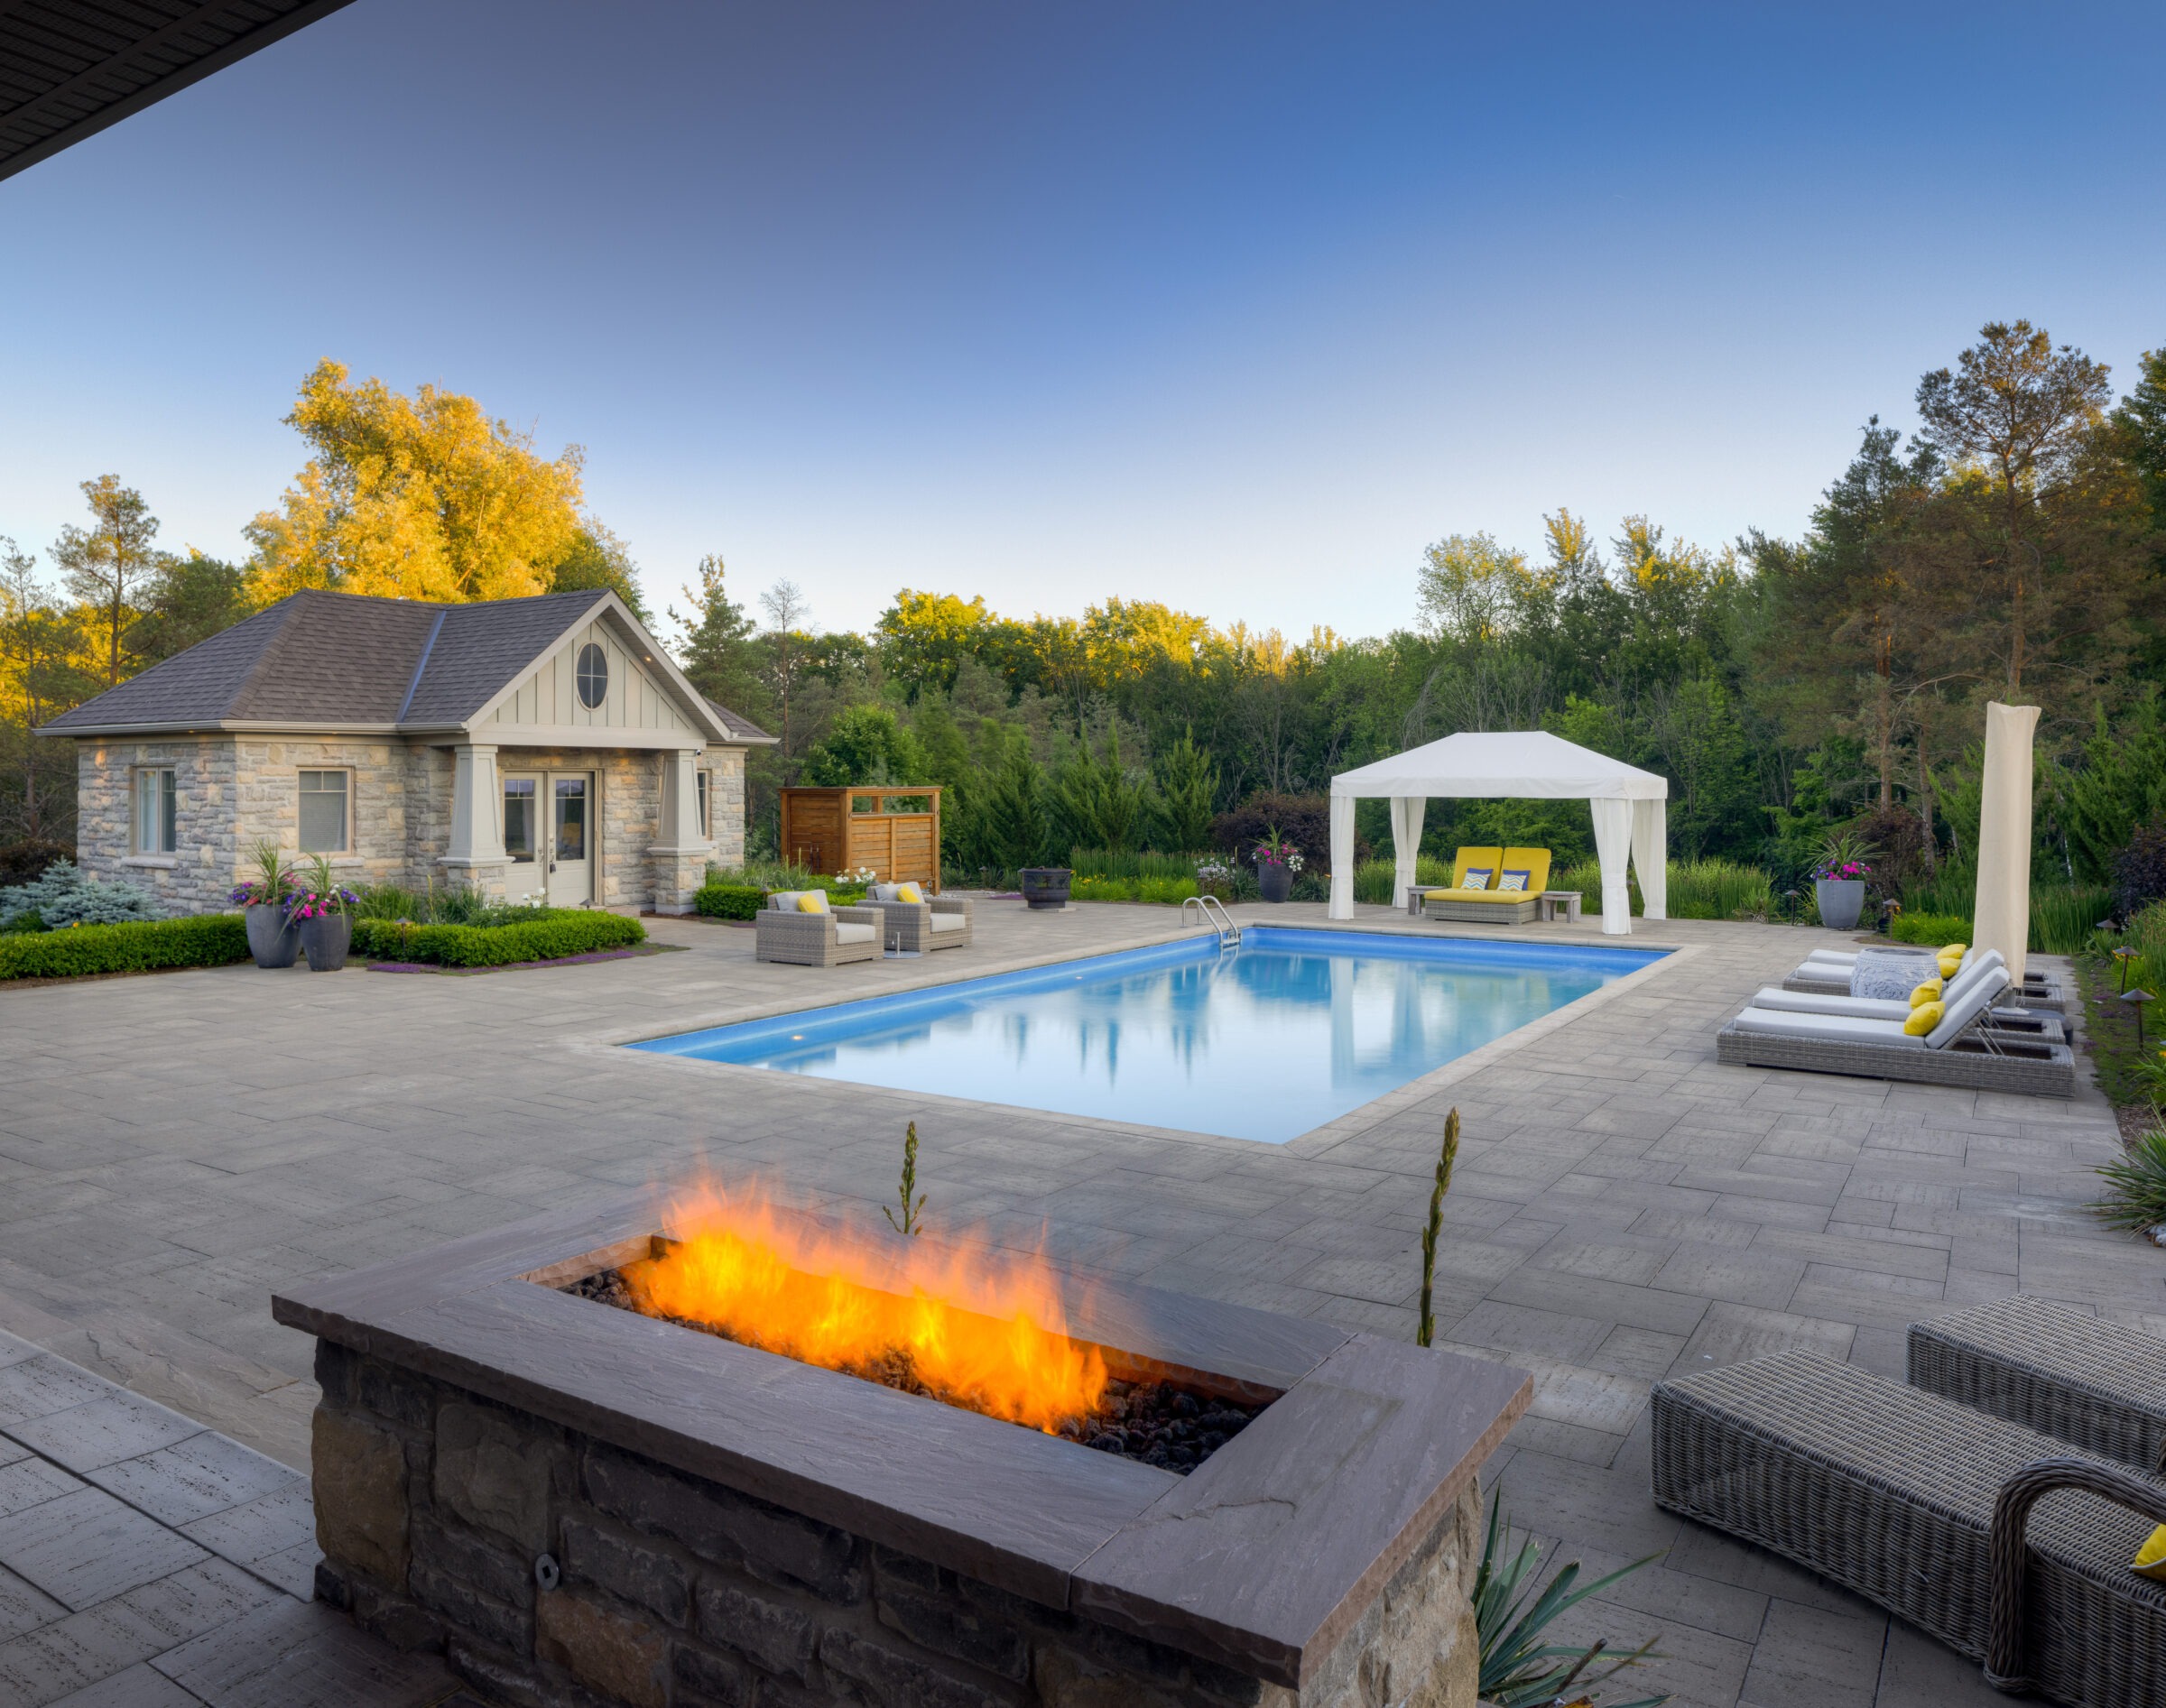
[[979, 1330]]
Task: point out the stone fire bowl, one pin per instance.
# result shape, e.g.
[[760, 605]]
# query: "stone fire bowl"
[[1262, 1559]]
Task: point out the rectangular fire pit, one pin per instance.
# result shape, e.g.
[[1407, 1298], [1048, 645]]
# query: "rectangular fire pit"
[[578, 1502]]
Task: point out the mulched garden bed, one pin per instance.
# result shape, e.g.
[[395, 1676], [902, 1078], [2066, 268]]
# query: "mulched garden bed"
[[527, 966]]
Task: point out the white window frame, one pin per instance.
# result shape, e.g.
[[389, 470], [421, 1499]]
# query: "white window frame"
[[305, 771], [706, 797], [155, 811]]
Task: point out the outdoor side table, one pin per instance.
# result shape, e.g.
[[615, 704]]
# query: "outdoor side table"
[[1550, 901]]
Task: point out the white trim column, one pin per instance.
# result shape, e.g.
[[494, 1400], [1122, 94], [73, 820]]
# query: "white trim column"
[[474, 854], [681, 855]]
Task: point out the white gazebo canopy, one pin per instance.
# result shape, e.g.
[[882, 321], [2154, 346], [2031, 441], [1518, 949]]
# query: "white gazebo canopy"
[[1629, 806]]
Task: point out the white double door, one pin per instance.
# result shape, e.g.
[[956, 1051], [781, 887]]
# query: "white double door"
[[548, 834]]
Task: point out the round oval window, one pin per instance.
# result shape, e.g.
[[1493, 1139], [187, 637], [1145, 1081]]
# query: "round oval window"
[[593, 675]]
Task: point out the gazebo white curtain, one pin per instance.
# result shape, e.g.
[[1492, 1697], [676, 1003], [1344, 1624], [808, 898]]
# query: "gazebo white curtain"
[[1630, 808]]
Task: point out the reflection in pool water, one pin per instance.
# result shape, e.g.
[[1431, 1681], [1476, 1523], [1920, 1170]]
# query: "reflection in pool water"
[[1291, 1029]]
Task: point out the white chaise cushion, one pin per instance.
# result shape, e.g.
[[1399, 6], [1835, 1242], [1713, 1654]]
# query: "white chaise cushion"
[[1836, 1029]]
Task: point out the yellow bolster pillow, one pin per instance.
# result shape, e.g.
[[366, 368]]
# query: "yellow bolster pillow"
[[1951, 958], [1928, 991], [1923, 1019], [2150, 1558], [908, 892], [812, 902]]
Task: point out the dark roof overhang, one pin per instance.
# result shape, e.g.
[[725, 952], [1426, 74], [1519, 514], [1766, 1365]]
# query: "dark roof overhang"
[[70, 68]]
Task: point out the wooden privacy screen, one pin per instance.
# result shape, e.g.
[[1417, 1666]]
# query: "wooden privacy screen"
[[840, 829]]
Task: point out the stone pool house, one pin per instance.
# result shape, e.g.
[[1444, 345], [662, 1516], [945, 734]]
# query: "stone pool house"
[[519, 746]]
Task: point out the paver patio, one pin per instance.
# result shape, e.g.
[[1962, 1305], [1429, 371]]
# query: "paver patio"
[[174, 1148]]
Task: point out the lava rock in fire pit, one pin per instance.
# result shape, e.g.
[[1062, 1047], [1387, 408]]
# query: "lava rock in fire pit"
[[1156, 1423]]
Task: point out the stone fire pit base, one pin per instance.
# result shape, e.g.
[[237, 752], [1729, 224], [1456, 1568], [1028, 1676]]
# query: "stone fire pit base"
[[434, 1505]]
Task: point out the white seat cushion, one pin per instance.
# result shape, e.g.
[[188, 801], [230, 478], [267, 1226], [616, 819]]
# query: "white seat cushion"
[[948, 921], [855, 933], [1837, 1028]]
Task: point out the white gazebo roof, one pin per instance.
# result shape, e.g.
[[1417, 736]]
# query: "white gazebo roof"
[[1527, 764]]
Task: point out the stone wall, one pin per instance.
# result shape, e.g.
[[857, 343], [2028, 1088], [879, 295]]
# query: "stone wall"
[[435, 1509], [230, 792]]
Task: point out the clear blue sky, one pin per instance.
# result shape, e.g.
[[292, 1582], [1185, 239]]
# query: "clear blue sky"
[[1237, 306]]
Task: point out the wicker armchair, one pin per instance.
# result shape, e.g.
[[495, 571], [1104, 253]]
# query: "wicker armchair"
[[818, 939], [917, 926], [2091, 1383], [1926, 1507]]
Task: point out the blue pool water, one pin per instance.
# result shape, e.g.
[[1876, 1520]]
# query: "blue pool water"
[[1291, 1029]]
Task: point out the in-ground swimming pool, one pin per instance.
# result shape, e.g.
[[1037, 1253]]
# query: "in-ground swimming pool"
[[1288, 1030]]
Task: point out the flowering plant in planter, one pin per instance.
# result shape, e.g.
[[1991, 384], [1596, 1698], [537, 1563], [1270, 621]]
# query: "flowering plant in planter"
[[1843, 860], [272, 880], [1274, 850], [319, 895]]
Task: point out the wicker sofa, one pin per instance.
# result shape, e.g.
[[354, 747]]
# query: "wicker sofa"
[[827, 939], [917, 926], [1490, 905], [2005, 1544]]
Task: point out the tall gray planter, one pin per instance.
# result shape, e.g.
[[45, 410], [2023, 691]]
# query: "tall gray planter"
[[1842, 899], [325, 938], [1276, 880], [272, 938], [1046, 886]]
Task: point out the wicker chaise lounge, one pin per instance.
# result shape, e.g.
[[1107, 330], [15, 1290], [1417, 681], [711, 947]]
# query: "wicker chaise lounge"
[[828, 938], [942, 923], [2019, 1022], [1961, 1050], [2092, 1383], [1826, 973], [1488, 904], [1932, 1510]]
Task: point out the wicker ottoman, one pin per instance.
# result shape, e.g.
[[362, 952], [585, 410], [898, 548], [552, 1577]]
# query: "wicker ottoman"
[[2096, 1385], [2005, 1543]]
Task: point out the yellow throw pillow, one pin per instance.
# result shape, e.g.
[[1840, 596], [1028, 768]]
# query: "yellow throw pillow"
[[908, 892], [812, 902], [2150, 1558], [1928, 991], [1951, 958], [1923, 1019]]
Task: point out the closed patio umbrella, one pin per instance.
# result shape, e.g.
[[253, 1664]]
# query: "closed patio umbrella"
[[2003, 913]]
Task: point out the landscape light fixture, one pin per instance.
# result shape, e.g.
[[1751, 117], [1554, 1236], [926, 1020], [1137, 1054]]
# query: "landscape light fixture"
[[2124, 956], [2137, 1000]]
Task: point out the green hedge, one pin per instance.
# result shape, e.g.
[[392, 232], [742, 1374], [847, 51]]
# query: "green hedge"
[[730, 901], [1935, 929], [564, 934], [215, 939]]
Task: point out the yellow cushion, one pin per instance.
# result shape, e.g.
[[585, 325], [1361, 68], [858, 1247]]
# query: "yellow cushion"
[[1928, 991], [1534, 863], [1923, 1019], [1490, 858], [1951, 958], [908, 892], [812, 902], [2150, 1558]]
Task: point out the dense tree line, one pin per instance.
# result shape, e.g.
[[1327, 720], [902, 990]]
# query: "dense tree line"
[[2014, 547]]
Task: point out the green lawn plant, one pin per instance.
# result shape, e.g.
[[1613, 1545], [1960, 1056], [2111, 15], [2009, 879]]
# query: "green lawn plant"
[[1513, 1609], [718, 900], [2135, 1185]]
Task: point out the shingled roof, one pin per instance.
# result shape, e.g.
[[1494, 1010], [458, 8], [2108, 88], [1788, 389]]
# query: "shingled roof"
[[342, 660]]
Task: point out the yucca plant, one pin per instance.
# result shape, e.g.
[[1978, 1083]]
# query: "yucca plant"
[[1512, 1609], [2135, 1187]]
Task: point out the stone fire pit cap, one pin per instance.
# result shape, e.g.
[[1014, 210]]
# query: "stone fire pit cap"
[[1262, 1559]]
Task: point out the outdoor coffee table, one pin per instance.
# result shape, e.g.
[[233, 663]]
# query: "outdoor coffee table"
[[1547, 903]]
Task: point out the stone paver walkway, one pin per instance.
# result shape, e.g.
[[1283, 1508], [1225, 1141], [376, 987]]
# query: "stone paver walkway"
[[174, 1148], [147, 1562]]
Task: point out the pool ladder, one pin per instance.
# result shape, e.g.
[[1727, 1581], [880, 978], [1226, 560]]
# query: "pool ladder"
[[1211, 911]]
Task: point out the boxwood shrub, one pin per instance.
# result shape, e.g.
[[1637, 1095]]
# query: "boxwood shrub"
[[1935, 930], [573, 931], [730, 901], [215, 940]]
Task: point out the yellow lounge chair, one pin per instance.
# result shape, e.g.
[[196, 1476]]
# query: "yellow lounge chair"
[[1491, 905]]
